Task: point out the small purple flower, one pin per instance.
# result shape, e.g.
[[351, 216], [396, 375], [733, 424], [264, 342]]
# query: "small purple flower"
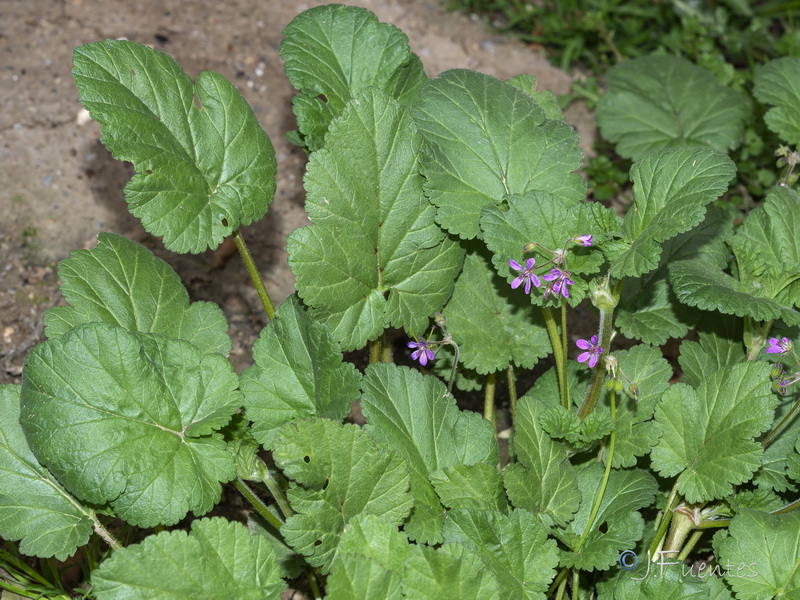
[[593, 351], [779, 346], [527, 275], [583, 240], [560, 280], [423, 353]]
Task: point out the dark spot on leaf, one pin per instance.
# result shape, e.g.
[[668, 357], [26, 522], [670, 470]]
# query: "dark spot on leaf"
[[325, 485], [603, 527], [149, 171], [306, 459], [318, 543], [224, 222], [323, 97]]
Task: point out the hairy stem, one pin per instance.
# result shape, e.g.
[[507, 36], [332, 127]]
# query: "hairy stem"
[[265, 475], [488, 397], [257, 504], [512, 389], [568, 401], [254, 274], [666, 518], [105, 534], [558, 355], [375, 351]]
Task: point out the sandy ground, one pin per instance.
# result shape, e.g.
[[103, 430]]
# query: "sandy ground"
[[59, 186]]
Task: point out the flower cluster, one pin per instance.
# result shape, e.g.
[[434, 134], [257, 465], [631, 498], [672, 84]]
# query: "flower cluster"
[[558, 279], [781, 380]]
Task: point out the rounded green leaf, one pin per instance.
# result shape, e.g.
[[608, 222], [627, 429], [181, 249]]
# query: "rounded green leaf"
[[778, 83], [127, 419], [374, 257], [34, 508], [484, 139], [217, 559], [201, 172], [122, 283], [658, 102]]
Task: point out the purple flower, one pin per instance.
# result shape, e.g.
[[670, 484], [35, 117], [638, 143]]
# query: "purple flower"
[[583, 240], [779, 346], [560, 280], [423, 353], [527, 275], [593, 351]]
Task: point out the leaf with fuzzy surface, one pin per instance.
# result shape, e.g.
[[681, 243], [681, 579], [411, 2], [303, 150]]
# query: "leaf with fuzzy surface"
[[471, 486], [217, 559], [778, 83], [709, 432], [332, 53], [514, 547], [200, 173], [122, 283], [129, 419], [298, 374], [409, 413], [374, 257], [769, 547], [34, 507], [699, 359], [451, 571], [657, 102], [671, 191], [337, 472], [485, 139]]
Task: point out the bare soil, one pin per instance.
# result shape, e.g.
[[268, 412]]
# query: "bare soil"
[[59, 187]]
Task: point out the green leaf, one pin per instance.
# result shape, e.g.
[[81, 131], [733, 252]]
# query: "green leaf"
[[370, 561], [451, 572], [657, 102], [707, 287], [674, 581], [545, 219], [34, 508], [546, 99], [128, 419], [298, 374], [778, 83], [709, 431], [543, 482], [772, 474], [617, 525], [217, 559], [332, 53], [699, 359], [768, 549], [485, 139], [338, 472], [514, 547], [671, 191], [409, 413], [394, 267], [201, 173], [492, 325], [471, 486], [648, 309], [122, 283]]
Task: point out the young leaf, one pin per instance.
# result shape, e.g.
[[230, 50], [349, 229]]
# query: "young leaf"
[[671, 191], [543, 481], [370, 561], [298, 374], [767, 547], [201, 173], [122, 283], [617, 525], [332, 53], [778, 83], [217, 559], [409, 413], [709, 431], [493, 326], [34, 508], [451, 572], [394, 267], [471, 486], [514, 547], [338, 472], [657, 102], [648, 309], [128, 419], [485, 139]]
